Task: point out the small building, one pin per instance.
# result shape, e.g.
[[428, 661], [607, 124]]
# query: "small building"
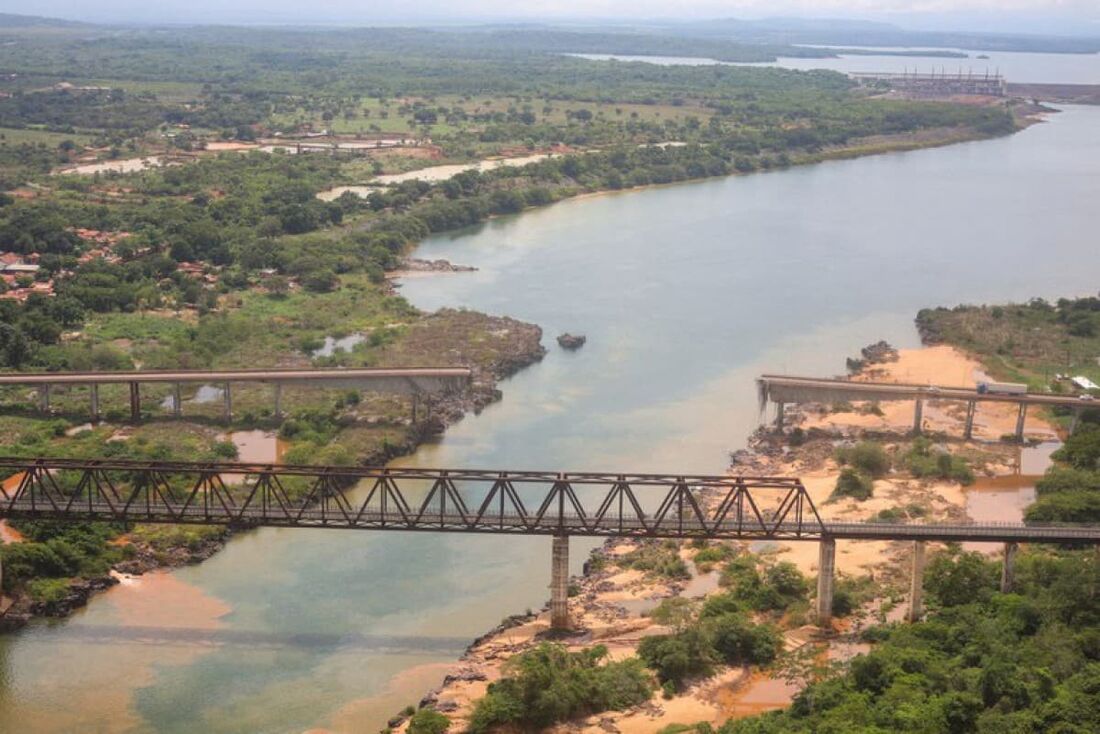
[[12, 263], [1084, 383]]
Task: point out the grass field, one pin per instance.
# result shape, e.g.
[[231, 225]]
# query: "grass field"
[[374, 116], [19, 136]]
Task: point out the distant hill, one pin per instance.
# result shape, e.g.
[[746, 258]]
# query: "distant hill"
[[12, 20]]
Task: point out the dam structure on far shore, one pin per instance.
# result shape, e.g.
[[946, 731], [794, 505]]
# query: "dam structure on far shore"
[[937, 84]]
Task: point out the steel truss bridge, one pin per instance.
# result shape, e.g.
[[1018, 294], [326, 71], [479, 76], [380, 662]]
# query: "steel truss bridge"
[[245, 495]]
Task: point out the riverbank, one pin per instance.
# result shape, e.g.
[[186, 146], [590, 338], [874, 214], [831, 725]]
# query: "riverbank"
[[1023, 113], [610, 604], [493, 347]]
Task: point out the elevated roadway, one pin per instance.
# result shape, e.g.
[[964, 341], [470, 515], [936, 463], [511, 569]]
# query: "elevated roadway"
[[783, 389], [414, 382]]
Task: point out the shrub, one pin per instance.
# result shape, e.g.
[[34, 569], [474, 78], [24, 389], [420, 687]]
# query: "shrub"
[[777, 589], [1082, 449], [48, 591], [717, 553], [866, 456], [1062, 479], [676, 611], [1065, 507], [657, 558], [924, 460], [738, 641], [854, 484], [225, 450], [796, 437], [718, 604], [677, 657], [428, 721], [550, 684], [955, 577]]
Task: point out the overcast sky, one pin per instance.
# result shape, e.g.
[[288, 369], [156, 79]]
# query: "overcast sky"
[[1066, 16]]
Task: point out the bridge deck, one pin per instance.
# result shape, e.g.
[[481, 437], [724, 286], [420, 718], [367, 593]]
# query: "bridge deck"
[[517, 503], [250, 375], [791, 389]]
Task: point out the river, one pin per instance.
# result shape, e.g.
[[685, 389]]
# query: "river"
[[686, 293]]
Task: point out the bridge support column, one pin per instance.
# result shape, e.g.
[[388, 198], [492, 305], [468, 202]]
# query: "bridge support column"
[[1020, 422], [559, 582], [1073, 421], [916, 583], [1008, 568], [415, 404], [44, 398], [826, 570], [968, 430], [278, 400], [780, 409], [177, 401], [135, 402], [227, 410], [93, 389], [918, 416]]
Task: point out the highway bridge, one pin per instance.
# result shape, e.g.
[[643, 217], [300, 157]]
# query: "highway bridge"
[[783, 389], [414, 382], [244, 495]]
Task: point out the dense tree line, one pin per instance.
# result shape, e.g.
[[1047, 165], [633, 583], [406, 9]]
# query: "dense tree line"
[[983, 662]]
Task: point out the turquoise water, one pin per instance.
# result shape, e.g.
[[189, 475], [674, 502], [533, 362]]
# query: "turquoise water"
[[686, 293]]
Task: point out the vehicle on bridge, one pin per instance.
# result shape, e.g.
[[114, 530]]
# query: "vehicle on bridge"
[[1002, 388]]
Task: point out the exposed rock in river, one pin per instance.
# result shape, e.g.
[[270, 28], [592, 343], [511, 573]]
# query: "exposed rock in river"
[[417, 265], [572, 341]]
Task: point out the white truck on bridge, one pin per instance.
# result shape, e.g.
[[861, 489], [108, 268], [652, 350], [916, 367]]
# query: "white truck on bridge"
[[1002, 388]]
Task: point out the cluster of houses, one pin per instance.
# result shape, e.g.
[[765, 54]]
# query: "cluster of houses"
[[18, 272], [102, 243]]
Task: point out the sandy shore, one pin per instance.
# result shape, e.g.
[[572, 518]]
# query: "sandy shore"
[[611, 605]]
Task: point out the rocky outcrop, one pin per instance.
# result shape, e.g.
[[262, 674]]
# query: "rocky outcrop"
[[571, 341], [416, 265]]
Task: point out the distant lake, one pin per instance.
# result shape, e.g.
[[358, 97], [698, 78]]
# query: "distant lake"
[[1015, 67]]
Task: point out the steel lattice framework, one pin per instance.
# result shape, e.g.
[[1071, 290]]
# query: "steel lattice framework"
[[525, 503]]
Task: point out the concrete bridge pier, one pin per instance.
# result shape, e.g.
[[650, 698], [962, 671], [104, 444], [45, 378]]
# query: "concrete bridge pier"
[[916, 584], [177, 401], [44, 398], [278, 400], [227, 409], [135, 402], [918, 416], [1020, 422], [1073, 421], [968, 430], [826, 571], [559, 583], [415, 404], [780, 408], [1008, 568], [94, 394]]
